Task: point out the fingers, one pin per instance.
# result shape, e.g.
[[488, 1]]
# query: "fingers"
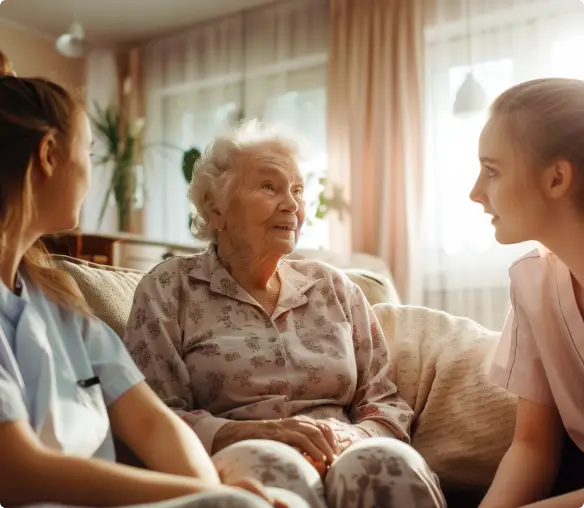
[[306, 444], [330, 436], [315, 433], [318, 441]]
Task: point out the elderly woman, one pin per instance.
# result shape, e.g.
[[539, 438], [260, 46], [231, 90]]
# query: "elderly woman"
[[245, 345]]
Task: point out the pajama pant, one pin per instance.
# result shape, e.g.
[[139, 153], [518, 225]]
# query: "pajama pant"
[[377, 472]]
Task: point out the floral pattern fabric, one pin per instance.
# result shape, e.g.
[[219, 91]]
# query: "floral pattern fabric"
[[211, 352], [373, 473]]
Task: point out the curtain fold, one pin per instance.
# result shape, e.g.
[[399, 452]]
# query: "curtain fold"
[[374, 127]]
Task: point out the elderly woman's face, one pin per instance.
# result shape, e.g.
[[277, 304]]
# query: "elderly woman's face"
[[267, 208]]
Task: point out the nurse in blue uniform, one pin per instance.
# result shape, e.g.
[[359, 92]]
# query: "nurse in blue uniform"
[[66, 381]]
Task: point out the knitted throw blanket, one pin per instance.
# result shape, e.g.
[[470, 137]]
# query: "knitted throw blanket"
[[463, 423]]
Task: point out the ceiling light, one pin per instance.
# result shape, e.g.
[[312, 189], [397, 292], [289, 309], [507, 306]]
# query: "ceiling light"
[[72, 44]]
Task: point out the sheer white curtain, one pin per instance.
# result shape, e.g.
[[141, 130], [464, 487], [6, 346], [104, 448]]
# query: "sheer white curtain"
[[465, 270], [267, 63]]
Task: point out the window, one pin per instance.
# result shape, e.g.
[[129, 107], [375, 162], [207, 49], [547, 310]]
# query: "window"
[[304, 113], [566, 58], [455, 227], [465, 224], [203, 125], [268, 62]]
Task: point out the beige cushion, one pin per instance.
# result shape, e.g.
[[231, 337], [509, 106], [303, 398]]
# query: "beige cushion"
[[375, 287], [109, 291], [356, 263], [463, 422]]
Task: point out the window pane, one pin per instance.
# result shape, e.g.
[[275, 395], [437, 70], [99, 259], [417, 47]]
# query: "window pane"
[[566, 58], [453, 162], [303, 112]]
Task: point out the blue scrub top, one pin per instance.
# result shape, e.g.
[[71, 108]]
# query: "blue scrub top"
[[59, 371]]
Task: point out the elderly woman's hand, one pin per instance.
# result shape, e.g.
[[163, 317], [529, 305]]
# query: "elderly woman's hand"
[[346, 434], [314, 438]]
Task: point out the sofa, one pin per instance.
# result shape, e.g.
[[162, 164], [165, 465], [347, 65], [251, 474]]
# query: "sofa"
[[463, 423]]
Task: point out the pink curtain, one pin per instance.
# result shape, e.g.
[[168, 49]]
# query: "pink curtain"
[[375, 130]]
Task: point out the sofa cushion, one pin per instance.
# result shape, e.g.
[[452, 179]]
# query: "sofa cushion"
[[109, 291], [376, 287]]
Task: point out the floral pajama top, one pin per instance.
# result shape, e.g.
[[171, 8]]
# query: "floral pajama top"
[[213, 354]]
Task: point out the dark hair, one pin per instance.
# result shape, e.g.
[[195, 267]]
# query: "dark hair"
[[31, 108]]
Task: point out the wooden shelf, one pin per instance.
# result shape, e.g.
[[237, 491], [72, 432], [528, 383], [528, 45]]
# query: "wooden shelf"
[[122, 250]]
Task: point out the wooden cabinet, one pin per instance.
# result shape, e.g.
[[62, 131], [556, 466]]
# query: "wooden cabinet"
[[126, 251]]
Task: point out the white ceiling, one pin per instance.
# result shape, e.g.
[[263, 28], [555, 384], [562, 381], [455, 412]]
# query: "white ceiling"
[[117, 21]]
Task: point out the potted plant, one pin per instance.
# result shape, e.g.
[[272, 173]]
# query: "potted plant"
[[122, 145]]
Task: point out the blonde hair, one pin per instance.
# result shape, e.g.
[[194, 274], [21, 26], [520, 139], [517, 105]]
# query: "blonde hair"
[[30, 109], [213, 171], [545, 118]]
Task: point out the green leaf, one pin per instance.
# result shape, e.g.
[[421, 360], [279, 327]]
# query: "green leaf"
[[188, 163]]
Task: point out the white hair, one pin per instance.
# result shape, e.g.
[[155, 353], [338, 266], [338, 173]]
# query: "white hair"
[[213, 171]]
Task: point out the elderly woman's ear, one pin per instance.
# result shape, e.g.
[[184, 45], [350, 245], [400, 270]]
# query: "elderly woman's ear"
[[215, 218]]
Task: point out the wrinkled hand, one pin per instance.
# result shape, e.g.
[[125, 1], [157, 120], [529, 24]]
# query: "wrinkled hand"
[[346, 434], [251, 485], [314, 438], [311, 437]]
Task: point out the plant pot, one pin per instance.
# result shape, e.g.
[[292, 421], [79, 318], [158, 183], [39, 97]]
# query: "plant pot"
[[124, 219], [124, 195]]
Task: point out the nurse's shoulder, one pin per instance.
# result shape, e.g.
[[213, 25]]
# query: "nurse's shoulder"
[[531, 280]]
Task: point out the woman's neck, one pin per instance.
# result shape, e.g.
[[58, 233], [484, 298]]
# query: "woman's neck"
[[12, 254], [251, 271], [9, 264], [567, 243]]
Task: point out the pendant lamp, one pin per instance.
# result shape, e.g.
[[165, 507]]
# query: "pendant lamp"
[[471, 97]]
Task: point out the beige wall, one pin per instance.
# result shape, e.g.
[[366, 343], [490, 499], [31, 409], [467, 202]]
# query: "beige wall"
[[35, 55]]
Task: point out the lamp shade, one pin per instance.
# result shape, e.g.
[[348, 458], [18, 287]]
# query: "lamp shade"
[[72, 44], [470, 98]]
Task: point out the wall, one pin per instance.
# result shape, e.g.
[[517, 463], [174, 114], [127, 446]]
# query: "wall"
[[35, 55]]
